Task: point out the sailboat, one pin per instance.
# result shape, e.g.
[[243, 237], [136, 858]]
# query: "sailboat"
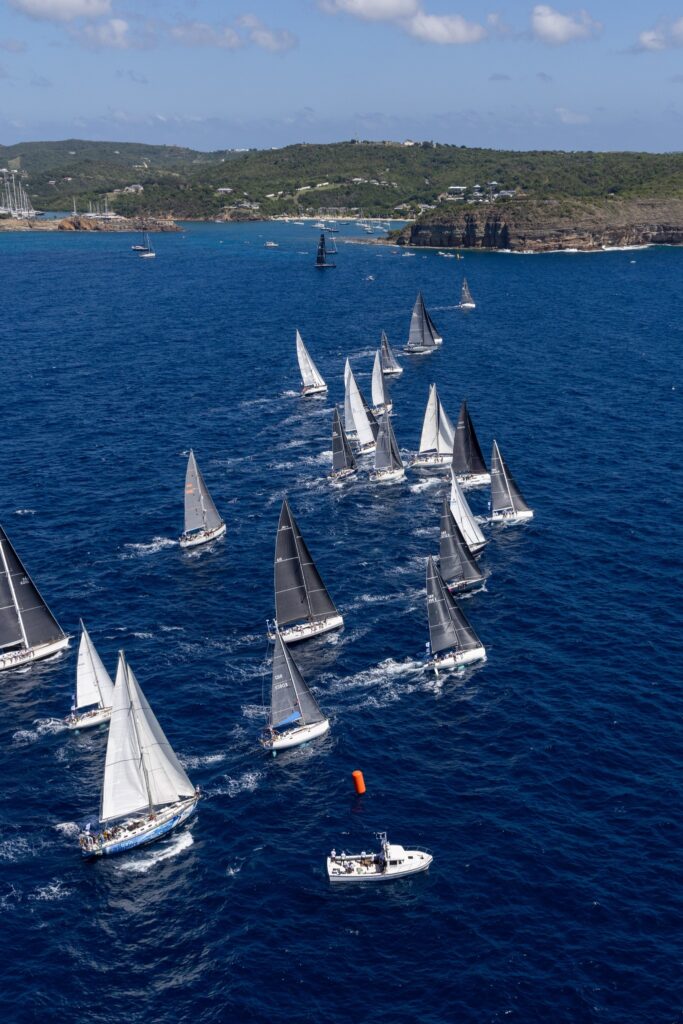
[[468, 462], [507, 503], [363, 419], [436, 440], [388, 463], [390, 366], [28, 629], [452, 639], [421, 339], [343, 462], [295, 715], [202, 521], [349, 424], [457, 564], [148, 252], [331, 245], [302, 603], [146, 792], [466, 300], [380, 402], [143, 246], [312, 381], [462, 513], [94, 688], [321, 260]]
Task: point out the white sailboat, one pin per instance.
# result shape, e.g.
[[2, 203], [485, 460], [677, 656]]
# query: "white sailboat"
[[466, 300], [295, 715], [146, 792], [148, 252], [388, 462], [392, 861], [94, 688], [143, 246], [468, 462], [390, 365], [452, 640], [380, 402], [365, 423], [507, 503], [349, 425], [462, 513], [202, 521], [436, 441], [312, 381], [343, 462], [28, 629]]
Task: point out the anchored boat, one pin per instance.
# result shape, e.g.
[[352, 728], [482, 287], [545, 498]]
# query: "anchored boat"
[[380, 401], [303, 606], [466, 300], [28, 629], [452, 639], [507, 503], [390, 365], [388, 462], [343, 462], [392, 861], [462, 513], [457, 564], [422, 338], [202, 521], [436, 441], [311, 379], [146, 792], [468, 462], [94, 688], [295, 715]]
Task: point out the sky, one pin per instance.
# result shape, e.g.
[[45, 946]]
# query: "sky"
[[213, 74]]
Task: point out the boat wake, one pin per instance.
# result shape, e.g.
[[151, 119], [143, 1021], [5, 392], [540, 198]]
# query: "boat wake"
[[43, 727], [142, 550], [426, 485], [141, 863], [68, 829]]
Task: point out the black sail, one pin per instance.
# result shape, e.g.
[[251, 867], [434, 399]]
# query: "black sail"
[[432, 325], [505, 494], [372, 419], [299, 590], [456, 562], [320, 602], [291, 700], [421, 335], [449, 628], [342, 456], [21, 603], [467, 455]]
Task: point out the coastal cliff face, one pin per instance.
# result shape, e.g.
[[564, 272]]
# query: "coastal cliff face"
[[87, 224], [543, 225]]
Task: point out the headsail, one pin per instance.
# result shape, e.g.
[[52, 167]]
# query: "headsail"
[[299, 590], [379, 398], [456, 562], [25, 619], [437, 429], [505, 494], [421, 337], [93, 682], [200, 511], [462, 513], [387, 455], [365, 423], [449, 628], [433, 328], [310, 375], [467, 455], [342, 456], [349, 424], [389, 362], [291, 700]]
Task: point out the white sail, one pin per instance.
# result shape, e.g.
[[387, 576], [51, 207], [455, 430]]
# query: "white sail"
[[141, 770], [462, 513], [93, 682], [446, 432], [309, 371], [437, 429], [379, 397], [349, 425], [360, 419]]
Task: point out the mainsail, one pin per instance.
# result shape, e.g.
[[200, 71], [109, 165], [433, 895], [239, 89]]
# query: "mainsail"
[[379, 398], [465, 294], [342, 456], [505, 494], [421, 337], [437, 429], [449, 628], [389, 362], [200, 511], [364, 422], [25, 619], [299, 590], [387, 455], [291, 700], [456, 562], [141, 771], [349, 424], [309, 371], [93, 682], [462, 513], [467, 455]]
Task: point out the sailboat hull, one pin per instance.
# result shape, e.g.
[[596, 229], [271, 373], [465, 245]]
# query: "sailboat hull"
[[88, 720], [193, 540], [460, 586], [295, 737], [341, 474], [392, 371], [454, 659], [418, 351], [306, 630], [379, 410], [24, 657], [387, 476], [470, 481], [366, 449], [512, 518], [137, 832], [467, 305], [432, 460], [313, 389]]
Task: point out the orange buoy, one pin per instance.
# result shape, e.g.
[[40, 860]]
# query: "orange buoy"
[[359, 782]]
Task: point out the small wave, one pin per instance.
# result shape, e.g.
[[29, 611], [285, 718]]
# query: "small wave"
[[24, 511], [43, 727], [283, 394], [141, 550], [258, 401], [55, 890], [142, 863]]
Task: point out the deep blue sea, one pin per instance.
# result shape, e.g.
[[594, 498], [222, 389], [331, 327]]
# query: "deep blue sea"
[[547, 782]]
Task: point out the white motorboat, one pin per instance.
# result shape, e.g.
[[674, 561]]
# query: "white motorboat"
[[392, 861], [295, 715], [94, 688], [202, 520], [507, 504]]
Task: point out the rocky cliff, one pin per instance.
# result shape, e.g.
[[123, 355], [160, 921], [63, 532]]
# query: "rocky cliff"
[[543, 225]]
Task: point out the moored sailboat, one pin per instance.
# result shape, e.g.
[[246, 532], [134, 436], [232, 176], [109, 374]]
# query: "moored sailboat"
[[462, 513], [457, 564], [466, 300], [303, 606], [421, 339], [380, 402], [311, 378], [343, 462], [365, 423], [507, 503], [143, 246], [28, 629], [436, 440], [94, 688], [452, 640], [295, 715], [145, 792], [390, 365], [388, 462], [202, 520], [468, 462]]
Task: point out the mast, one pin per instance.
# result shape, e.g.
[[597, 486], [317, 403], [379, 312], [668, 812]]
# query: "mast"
[[467, 454]]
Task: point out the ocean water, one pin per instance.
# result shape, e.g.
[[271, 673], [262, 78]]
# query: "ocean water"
[[546, 782]]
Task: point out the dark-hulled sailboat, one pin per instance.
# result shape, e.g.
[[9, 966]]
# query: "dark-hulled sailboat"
[[421, 339], [343, 462], [303, 606], [28, 629], [452, 639], [388, 462], [202, 521], [321, 260], [468, 462], [390, 365], [457, 564], [295, 715], [507, 503]]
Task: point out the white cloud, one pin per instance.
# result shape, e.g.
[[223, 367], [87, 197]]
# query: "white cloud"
[[665, 36], [275, 40], [570, 117], [199, 33], [62, 10], [372, 10], [112, 34], [550, 26], [444, 29]]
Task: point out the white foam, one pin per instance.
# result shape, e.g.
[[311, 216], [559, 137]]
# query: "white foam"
[[24, 511], [142, 550], [143, 863], [246, 783], [191, 761], [54, 890], [43, 727], [425, 485], [15, 849], [234, 869], [67, 828]]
